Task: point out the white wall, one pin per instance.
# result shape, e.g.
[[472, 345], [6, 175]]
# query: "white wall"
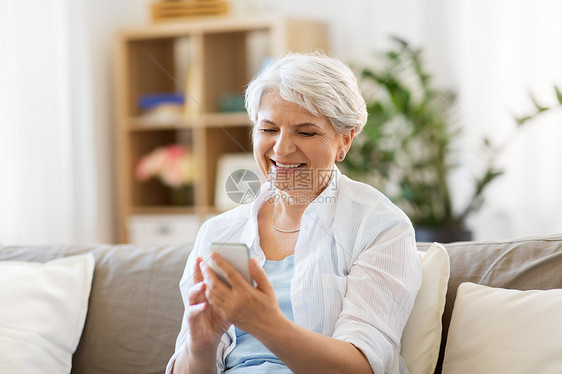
[[104, 18], [504, 51], [56, 117]]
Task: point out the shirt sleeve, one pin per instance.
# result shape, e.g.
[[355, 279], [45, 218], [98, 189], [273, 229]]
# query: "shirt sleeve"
[[382, 285], [185, 284]]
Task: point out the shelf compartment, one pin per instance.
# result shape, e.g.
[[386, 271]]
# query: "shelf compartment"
[[217, 141], [225, 71], [153, 192], [151, 69]]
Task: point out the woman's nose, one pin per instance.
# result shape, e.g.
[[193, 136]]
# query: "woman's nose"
[[284, 144]]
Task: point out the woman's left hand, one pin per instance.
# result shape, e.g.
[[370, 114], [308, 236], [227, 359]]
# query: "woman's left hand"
[[250, 308]]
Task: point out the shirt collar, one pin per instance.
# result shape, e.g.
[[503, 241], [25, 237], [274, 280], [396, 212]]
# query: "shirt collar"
[[250, 232], [323, 206]]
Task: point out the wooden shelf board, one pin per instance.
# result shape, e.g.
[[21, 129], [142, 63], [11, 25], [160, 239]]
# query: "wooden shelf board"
[[142, 124], [200, 25], [225, 119], [164, 209], [214, 119]]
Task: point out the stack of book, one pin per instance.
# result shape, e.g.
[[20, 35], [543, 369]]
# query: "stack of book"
[[174, 10]]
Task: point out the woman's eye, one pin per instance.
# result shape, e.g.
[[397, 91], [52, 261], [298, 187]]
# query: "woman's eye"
[[267, 130], [307, 134]]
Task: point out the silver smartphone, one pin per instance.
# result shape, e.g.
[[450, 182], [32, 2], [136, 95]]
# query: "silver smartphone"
[[237, 255]]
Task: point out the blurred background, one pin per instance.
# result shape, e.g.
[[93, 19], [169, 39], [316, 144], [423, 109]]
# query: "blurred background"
[[66, 176]]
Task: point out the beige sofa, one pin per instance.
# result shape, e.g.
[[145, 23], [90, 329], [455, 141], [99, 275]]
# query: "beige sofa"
[[135, 307]]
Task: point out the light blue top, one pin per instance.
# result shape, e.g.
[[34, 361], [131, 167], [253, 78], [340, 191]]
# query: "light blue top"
[[250, 355]]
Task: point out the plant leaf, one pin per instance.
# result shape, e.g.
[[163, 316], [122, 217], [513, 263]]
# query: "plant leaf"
[[558, 94], [539, 107], [400, 41], [521, 120]]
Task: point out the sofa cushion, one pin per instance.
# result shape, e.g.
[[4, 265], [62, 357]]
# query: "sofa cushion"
[[422, 335], [495, 330], [43, 311], [522, 264], [135, 307]]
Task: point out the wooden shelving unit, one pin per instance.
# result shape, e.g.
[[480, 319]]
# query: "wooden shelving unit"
[[204, 58]]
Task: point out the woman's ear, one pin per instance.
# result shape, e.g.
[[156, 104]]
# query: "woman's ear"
[[346, 139]]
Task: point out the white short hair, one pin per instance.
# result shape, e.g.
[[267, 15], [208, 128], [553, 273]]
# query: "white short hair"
[[323, 85]]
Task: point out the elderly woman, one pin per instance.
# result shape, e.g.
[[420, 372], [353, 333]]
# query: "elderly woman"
[[334, 262]]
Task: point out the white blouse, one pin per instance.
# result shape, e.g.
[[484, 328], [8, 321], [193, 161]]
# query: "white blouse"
[[356, 272]]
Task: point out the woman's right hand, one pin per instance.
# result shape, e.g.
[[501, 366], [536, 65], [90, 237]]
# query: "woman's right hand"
[[205, 326]]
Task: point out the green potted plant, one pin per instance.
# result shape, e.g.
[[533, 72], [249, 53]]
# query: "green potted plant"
[[407, 149]]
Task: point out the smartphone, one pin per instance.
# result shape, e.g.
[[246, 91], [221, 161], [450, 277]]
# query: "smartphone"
[[236, 254]]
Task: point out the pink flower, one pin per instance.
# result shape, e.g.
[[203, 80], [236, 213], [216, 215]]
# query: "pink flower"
[[151, 165], [173, 164]]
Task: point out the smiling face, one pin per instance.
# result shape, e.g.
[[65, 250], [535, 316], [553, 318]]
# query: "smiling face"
[[294, 147]]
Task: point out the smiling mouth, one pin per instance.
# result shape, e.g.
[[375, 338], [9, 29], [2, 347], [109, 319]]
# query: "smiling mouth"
[[286, 166]]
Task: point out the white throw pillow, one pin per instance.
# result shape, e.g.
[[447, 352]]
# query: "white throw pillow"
[[422, 335], [495, 330], [42, 313]]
